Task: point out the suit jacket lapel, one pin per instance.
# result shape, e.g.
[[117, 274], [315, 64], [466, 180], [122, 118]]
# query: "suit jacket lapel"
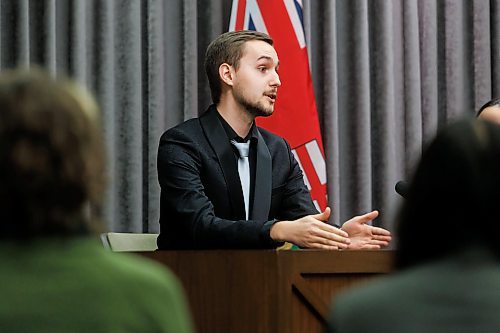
[[217, 138], [263, 181]]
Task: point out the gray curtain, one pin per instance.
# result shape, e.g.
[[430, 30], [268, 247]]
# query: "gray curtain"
[[387, 75]]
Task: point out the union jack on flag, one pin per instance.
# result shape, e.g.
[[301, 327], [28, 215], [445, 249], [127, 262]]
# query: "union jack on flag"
[[295, 117]]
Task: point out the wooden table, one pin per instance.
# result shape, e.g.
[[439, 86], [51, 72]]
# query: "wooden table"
[[268, 290]]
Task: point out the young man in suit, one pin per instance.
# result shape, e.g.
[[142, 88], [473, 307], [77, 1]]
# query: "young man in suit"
[[205, 205]]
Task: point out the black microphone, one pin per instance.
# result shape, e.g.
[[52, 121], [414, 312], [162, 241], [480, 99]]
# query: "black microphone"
[[402, 188]]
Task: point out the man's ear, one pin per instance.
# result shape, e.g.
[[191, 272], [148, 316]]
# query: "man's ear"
[[226, 73]]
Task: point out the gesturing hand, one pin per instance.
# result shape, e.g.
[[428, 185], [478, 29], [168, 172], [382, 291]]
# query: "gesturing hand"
[[364, 236], [311, 232]]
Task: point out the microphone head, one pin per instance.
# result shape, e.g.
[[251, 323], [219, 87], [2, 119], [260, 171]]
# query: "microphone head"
[[402, 188]]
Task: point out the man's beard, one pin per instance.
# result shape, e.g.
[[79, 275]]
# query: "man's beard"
[[256, 109]]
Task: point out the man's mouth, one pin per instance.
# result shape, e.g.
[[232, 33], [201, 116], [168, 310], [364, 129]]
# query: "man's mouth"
[[272, 96]]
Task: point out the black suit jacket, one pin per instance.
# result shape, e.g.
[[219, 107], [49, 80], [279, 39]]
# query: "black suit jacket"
[[201, 203]]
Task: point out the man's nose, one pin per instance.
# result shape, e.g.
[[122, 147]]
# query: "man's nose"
[[275, 82]]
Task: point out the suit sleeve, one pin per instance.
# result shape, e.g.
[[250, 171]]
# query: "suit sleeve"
[[190, 212], [296, 202]]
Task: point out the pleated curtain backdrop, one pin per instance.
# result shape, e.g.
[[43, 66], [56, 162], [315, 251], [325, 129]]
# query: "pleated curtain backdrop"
[[387, 75]]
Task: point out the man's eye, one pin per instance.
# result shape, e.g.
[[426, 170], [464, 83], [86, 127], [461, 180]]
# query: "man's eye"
[[262, 69]]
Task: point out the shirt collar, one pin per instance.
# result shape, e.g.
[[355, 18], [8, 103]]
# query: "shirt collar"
[[232, 135]]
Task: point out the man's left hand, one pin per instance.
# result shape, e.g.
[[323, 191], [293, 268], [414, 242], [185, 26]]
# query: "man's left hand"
[[364, 236]]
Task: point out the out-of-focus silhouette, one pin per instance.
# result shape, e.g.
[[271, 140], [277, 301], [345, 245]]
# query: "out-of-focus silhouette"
[[449, 244], [55, 276]]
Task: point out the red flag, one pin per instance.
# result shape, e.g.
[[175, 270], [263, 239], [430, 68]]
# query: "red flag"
[[295, 116]]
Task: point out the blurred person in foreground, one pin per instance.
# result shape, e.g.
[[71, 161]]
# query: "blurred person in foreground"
[[54, 274], [451, 283]]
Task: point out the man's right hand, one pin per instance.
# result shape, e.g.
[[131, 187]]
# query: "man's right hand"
[[311, 232]]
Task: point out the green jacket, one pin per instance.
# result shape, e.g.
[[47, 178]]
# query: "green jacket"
[[74, 285]]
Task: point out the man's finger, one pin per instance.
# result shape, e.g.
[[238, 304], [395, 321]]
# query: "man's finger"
[[368, 217], [382, 238], [370, 247], [381, 231], [329, 243], [325, 247], [333, 234], [378, 242], [324, 216]]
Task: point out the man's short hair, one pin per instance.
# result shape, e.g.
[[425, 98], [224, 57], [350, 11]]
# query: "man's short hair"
[[51, 155], [228, 48]]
